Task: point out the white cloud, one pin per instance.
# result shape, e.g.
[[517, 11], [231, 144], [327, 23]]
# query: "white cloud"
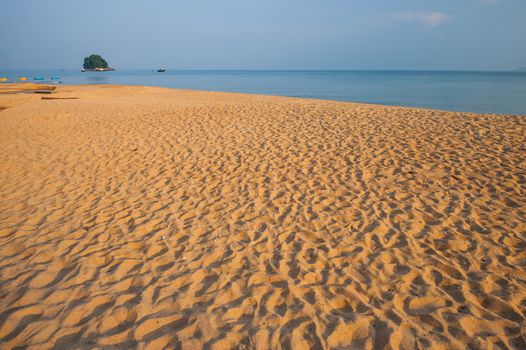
[[431, 19]]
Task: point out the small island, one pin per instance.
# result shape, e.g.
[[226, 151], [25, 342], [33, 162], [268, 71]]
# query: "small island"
[[95, 63]]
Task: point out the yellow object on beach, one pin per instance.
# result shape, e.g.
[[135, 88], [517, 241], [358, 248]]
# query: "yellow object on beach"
[[3, 79], [22, 78]]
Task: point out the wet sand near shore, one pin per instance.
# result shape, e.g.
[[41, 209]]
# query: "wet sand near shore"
[[151, 218]]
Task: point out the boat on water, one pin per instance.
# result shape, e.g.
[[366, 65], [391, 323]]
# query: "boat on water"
[[4, 79], [38, 78], [22, 78], [55, 78], [82, 70], [161, 70]]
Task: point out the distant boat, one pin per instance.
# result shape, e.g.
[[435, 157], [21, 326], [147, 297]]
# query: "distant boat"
[[22, 78], [38, 78], [161, 70], [3, 79], [55, 78]]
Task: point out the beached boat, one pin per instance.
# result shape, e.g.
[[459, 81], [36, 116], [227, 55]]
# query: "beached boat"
[[161, 70]]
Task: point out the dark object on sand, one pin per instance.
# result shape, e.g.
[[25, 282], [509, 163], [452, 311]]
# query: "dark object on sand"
[[59, 98]]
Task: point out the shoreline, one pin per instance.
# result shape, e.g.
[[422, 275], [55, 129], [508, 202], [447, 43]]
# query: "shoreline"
[[501, 92], [15, 88], [148, 217]]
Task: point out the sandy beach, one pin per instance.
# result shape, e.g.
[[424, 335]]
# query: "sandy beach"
[[151, 218]]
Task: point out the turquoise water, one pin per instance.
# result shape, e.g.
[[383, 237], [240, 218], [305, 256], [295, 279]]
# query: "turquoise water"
[[481, 92]]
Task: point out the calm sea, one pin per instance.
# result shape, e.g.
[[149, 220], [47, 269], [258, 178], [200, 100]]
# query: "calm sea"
[[481, 92]]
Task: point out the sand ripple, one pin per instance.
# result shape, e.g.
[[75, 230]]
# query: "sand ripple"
[[137, 217]]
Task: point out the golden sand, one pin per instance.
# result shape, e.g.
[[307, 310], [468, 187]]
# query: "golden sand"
[[140, 217]]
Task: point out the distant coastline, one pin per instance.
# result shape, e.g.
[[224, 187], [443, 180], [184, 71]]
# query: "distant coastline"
[[97, 70]]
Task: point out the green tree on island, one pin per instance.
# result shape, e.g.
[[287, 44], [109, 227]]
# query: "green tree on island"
[[95, 61]]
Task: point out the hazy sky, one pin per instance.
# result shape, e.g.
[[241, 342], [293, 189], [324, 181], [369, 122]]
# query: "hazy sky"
[[265, 34]]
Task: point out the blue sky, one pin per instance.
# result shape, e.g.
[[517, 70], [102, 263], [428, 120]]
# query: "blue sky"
[[265, 34]]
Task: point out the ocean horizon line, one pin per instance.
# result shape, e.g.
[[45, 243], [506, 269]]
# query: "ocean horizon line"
[[515, 70]]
